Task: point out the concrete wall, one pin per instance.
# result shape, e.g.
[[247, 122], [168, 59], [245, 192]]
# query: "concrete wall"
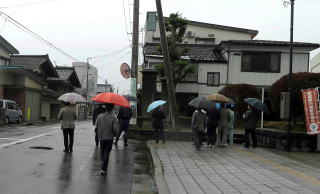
[[33, 103], [45, 110]]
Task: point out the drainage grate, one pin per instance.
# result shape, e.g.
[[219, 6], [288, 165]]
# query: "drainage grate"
[[41, 148]]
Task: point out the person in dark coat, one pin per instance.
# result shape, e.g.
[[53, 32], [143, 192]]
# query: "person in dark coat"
[[198, 124], [157, 122], [108, 128], [96, 112], [250, 118], [212, 123], [124, 116]]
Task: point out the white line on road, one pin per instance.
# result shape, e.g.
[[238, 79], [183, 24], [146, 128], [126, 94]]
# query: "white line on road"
[[5, 138], [27, 139]]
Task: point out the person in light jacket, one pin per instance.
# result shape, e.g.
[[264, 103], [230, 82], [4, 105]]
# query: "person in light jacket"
[[223, 126], [107, 125], [198, 124], [96, 112], [250, 118], [230, 124], [68, 115]]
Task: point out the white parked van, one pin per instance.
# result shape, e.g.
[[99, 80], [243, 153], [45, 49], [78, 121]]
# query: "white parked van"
[[12, 111]]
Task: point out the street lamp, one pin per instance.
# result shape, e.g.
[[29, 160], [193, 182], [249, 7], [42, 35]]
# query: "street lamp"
[[290, 77]]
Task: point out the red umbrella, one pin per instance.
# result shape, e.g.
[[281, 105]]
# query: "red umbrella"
[[112, 98]]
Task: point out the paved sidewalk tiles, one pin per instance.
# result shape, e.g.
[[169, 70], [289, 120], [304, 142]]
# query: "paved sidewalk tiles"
[[233, 170]]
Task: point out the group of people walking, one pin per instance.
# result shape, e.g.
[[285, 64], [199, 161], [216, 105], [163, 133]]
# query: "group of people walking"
[[107, 127], [217, 123], [218, 126]]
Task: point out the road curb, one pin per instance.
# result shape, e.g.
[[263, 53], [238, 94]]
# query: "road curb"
[[157, 169]]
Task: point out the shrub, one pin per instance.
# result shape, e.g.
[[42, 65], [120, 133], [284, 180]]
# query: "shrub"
[[239, 92], [300, 81]]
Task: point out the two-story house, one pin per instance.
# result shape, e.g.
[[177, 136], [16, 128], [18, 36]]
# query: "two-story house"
[[225, 55]]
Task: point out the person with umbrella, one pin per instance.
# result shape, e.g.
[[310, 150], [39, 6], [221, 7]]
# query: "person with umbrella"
[[223, 126], [250, 118], [68, 115], [202, 102], [107, 125], [96, 112], [198, 124], [230, 123], [212, 123], [157, 122], [124, 116]]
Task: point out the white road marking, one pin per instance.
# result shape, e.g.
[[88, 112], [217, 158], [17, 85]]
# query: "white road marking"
[[26, 139], [5, 138]]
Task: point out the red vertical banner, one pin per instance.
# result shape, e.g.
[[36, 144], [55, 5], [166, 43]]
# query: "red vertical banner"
[[311, 110]]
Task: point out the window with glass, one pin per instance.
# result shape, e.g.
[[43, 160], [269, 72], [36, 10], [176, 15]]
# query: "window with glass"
[[213, 79], [260, 62]]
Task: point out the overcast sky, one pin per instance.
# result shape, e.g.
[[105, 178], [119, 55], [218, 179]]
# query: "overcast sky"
[[88, 28]]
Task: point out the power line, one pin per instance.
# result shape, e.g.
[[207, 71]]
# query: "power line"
[[110, 63], [27, 30], [111, 53], [125, 20]]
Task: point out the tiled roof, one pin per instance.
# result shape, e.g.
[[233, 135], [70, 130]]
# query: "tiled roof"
[[32, 62], [66, 73], [270, 43], [196, 52], [28, 61]]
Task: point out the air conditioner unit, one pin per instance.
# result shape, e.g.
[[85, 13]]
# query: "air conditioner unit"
[[190, 34], [210, 35]]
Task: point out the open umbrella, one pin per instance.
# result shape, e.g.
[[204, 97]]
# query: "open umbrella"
[[155, 104], [258, 104], [202, 102], [218, 98], [130, 97], [112, 98], [73, 98]]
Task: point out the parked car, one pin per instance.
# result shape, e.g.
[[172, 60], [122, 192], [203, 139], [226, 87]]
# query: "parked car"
[[12, 111]]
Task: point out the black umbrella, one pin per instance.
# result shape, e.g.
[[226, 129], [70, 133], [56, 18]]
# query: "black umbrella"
[[202, 102], [258, 104], [130, 97]]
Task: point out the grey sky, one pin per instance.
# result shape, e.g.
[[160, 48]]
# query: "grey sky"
[[99, 26]]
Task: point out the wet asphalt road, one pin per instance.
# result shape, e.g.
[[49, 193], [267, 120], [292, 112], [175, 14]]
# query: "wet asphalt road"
[[26, 170]]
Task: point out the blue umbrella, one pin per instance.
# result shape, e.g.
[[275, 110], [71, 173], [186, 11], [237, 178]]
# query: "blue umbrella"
[[258, 104], [155, 104]]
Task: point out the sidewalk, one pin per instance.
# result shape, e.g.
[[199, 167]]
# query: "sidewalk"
[[232, 170]]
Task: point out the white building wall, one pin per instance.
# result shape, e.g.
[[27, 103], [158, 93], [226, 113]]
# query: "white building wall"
[[315, 64], [81, 70], [203, 32], [300, 64], [203, 69]]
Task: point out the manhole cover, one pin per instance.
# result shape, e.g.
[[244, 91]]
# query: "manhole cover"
[[41, 148]]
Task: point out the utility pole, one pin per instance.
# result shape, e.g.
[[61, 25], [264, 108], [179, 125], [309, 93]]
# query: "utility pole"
[[167, 67], [290, 78], [135, 57], [87, 86]]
